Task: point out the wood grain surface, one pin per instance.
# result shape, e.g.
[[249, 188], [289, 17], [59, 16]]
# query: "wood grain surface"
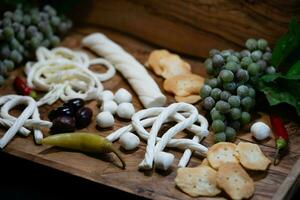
[[105, 169], [192, 26]]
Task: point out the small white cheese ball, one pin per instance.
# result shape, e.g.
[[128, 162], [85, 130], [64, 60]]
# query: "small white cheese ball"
[[105, 119], [125, 110], [260, 130], [109, 106], [107, 95], [123, 96], [129, 141], [163, 160]]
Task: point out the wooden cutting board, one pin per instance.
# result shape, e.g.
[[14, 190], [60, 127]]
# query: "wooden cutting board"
[[105, 169]]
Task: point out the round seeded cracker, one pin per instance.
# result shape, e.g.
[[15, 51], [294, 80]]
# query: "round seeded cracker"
[[235, 181], [251, 156], [198, 181], [220, 153]]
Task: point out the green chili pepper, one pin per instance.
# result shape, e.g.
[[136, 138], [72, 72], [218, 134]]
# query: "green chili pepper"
[[83, 142]]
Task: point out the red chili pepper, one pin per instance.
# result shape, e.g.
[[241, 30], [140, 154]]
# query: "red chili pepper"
[[281, 136], [21, 88]]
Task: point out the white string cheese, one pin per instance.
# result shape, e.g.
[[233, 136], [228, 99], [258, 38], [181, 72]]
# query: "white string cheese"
[[10, 101], [136, 74], [7, 118], [153, 149], [147, 117], [197, 138], [64, 74], [7, 123]]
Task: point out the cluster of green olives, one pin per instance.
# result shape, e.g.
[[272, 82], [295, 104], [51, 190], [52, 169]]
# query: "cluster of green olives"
[[25, 29], [228, 94]]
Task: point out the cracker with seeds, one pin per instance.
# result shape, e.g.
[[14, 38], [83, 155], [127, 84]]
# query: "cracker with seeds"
[[235, 181], [166, 64], [220, 153], [188, 99], [154, 60], [198, 181], [173, 65], [184, 85], [251, 156]]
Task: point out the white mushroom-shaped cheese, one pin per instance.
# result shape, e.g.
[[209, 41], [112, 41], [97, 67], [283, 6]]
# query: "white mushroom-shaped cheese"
[[123, 96], [110, 106], [260, 130], [107, 95], [125, 110], [163, 160], [105, 119], [129, 141]]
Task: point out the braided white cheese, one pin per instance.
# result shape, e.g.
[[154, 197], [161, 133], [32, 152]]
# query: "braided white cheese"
[[136, 74]]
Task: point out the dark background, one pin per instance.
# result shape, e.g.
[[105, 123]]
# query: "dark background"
[[21, 180]]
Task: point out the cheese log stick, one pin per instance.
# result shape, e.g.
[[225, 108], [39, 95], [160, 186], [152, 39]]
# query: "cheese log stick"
[[135, 73]]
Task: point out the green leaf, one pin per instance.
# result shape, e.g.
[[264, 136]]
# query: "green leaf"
[[287, 43], [294, 70], [270, 77], [280, 88], [284, 88]]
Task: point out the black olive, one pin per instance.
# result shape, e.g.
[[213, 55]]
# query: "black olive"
[[61, 111], [75, 104], [83, 117], [63, 124], [52, 115]]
